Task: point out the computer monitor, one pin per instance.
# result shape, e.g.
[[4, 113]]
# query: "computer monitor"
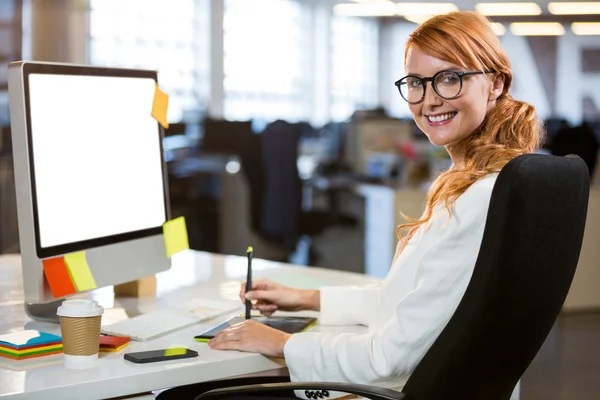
[[89, 173]]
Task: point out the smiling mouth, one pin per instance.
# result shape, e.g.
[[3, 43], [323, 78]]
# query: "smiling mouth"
[[442, 117]]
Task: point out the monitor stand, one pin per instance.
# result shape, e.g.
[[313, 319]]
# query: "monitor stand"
[[43, 311], [143, 287], [46, 312]]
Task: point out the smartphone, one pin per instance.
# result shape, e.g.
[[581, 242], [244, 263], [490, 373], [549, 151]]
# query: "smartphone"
[[143, 357]]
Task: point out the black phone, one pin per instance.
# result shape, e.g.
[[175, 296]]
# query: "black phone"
[[143, 357]]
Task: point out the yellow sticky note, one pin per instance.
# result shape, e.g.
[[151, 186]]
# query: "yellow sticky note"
[[176, 237], [160, 105], [79, 271]]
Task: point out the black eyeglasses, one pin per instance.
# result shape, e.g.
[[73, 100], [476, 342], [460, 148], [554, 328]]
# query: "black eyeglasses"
[[447, 85]]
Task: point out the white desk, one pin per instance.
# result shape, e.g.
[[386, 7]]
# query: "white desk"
[[194, 274]]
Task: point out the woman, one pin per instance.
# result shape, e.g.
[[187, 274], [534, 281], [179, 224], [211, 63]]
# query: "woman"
[[457, 83]]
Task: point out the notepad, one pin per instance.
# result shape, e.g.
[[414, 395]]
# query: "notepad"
[[29, 344], [113, 343], [21, 338]]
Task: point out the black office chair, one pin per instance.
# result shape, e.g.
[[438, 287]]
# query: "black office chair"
[[579, 140], [527, 259], [283, 220], [175, 129], [223, 136]]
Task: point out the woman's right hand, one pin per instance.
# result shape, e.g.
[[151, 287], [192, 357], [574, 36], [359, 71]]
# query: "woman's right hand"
[[268, 296]]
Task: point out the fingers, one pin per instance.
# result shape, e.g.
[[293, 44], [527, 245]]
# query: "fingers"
[[231, 338], [259, 284], [264, 295], [265, 309], [251, 336], [225, 342], [262, 306]]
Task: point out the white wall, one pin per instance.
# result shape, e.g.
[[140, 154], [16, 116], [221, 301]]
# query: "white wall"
[[572, 84], [393, 37], [528, 85]]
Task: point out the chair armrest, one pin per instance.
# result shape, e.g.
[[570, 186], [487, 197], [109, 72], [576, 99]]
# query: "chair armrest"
[[322, 389]]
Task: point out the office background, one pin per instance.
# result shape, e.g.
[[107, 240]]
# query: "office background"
[[307, 71]]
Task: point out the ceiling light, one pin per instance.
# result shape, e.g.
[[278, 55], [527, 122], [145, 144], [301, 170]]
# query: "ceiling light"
[[372, 9], [571, 8], [498, 28], [508, 8], [586, 28], [414, 9], [537, 28]]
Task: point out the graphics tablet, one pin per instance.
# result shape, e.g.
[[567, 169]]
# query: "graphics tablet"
[[285, 324]]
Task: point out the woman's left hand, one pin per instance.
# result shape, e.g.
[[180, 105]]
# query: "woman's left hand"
[[253, 337]]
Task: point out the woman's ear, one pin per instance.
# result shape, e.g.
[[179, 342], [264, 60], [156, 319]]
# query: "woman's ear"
[[496, 86]]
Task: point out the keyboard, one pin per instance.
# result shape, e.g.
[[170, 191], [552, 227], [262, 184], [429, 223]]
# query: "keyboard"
[[163, 321]]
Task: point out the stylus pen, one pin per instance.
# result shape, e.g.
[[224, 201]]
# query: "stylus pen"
[[249, 281]]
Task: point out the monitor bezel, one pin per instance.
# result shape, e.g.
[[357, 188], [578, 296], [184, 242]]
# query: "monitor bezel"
[[53, 69]]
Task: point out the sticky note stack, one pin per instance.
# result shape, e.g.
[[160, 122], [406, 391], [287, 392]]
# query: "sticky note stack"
[[29, 344], [113, 344]]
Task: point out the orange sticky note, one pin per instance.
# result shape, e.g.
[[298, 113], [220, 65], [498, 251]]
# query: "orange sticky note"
[[176, 237], [160, 106], [58, 277], [80, 272]]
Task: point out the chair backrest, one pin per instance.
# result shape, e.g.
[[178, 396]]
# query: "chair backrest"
[[528, 256], [238, 138], [223, 136], [578, 140], [283, 189], [175, 129]]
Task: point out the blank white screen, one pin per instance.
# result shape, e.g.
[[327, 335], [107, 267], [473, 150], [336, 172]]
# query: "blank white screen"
[[96, 154]]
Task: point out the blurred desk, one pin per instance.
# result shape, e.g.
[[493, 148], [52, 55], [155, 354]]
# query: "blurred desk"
[[585, 290], [383, 202], [383, 205], [193, 275], [191, 166]]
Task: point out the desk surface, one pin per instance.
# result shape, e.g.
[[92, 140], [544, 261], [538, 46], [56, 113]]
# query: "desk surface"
[[193, 275]]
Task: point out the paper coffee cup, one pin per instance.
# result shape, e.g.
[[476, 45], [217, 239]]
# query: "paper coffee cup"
[[80, 328]]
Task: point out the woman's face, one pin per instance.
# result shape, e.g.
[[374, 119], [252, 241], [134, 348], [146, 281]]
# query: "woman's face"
[[453, 120]]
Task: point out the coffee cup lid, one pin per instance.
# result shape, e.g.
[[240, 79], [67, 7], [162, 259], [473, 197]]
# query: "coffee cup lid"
[[79, 308]]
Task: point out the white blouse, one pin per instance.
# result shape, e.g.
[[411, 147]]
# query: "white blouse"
[[406, 313]]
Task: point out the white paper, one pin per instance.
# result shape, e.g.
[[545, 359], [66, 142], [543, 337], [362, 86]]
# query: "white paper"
[[19, 338]]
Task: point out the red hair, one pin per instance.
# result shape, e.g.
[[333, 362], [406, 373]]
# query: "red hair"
[[509, 129]]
